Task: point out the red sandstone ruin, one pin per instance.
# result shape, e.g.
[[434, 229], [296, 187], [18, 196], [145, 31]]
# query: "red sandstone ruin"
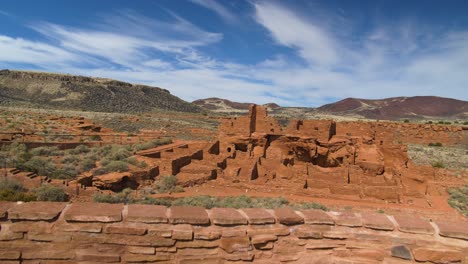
[[324, 158]]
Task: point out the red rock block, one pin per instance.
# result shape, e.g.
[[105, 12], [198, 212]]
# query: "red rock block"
[[453, 229], [277, 230], [233, 232], [239, 256], [9, 254], [79, 227], [227, 216], [318, 217], [146, 213], [94, 212], [413, 224], [4, 206], [35, 211], [141, 250], [136, 258], [27, 226], [348, 219], [197, 252], [437, 255], [55, 237], [182, 232], [314, 232], [92, 254], [48, 252], [188, 215], [202, 260], [377, 221], [7, 235], [324, 244], [235, 244], [258, 216], [125, 229], [207, 233], [197, 244], [262, 239], [287, 216]]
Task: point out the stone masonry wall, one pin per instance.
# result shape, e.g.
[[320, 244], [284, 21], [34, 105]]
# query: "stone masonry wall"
[[46, 232]]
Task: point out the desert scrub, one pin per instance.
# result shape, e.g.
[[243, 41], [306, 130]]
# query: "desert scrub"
[[12, 190], [50, 193], [438, 164], [46, 151], [459, 199], [449, 157], [209, 202], [112, 166], [40, 165], [122, 197], [152, 144], [167, 184], [437, 144]]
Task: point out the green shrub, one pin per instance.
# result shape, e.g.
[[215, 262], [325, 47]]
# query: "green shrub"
[[40, 165], [201, 200], [437, 144], [88, 164], [438, 164], [112, 166], [95, 138], [155, 201], [459, 199], [68, 171], [50, 193], [122, 197], [465, 123], [80, 149], [13, 196], [152, 144], [71, 159], [118, 154], [406, 121], [11, 184], [167, 184], [304, 206], [46, 151], [448, 123], [117, 166]]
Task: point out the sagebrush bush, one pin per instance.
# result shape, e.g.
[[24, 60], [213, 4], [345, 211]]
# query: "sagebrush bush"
[[46, 151], [12, 196], [459, 199], [88, 164], [50, 193], [152, 144], [40, 165], [11, 184], [71, 159], [167, 184], [122, 197]]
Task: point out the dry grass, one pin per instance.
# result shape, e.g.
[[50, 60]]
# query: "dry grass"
[[447, 157]]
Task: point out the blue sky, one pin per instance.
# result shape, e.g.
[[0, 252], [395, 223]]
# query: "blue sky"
[[294, 53]]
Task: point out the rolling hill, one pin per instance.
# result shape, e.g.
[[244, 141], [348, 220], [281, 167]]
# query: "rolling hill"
[[68, 92], [418, 107]]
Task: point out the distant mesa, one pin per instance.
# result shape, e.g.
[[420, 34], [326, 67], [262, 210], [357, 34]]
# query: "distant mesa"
[[226, 106], [399, 107]]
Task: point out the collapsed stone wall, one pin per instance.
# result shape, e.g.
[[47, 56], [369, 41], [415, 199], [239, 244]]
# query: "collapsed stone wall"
[[347, 159], [47, 232]]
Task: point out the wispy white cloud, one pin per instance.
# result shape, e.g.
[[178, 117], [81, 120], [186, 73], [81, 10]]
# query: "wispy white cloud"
[[291, 30], [401, 59], [219, 9]]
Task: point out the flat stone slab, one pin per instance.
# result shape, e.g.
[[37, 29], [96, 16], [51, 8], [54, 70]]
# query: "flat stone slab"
[[94, 212], [147, 213], [4, 206], [377, 221], [36, 211], [348, 219], [287, 216], [188, 215], [318, 217], [413, 224], [227, 216], [258, 216], [453, 229]]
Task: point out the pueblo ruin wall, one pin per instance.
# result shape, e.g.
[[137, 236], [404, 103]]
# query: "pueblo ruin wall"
[[47, 232]]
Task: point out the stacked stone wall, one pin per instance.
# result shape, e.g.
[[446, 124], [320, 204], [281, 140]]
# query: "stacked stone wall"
[[46, 232]]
